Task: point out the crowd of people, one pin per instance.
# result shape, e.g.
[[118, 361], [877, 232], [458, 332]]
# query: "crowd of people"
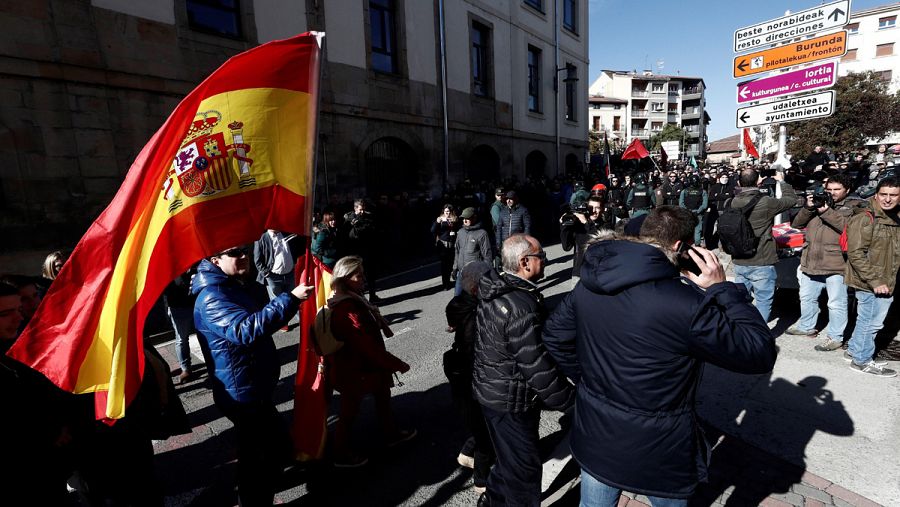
[[642, 237]]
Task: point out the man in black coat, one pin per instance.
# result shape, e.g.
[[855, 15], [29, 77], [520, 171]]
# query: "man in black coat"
[[513, 376], [634, 336]]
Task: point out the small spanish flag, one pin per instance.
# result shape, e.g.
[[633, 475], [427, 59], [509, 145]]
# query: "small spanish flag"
[[235, 158], [310, 389]]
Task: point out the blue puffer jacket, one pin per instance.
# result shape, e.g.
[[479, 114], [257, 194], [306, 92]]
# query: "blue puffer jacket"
[[634, 336], [235, 322]]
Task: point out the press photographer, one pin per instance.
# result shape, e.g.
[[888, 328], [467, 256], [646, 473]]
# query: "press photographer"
[[822, 263], [578, 224]]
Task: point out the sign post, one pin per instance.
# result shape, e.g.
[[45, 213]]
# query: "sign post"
[[817, 19], [796, 53], [803, 107], [808, 79]]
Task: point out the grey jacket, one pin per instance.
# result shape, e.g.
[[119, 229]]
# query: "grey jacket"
[[472, 244], [762, 218]]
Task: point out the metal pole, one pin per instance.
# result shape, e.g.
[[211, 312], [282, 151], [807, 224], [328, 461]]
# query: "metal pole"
[[444, 96], [782, 141], [556, 76]]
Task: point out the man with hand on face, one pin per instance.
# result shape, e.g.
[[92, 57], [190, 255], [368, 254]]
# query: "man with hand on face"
[[235, 321], [873, 259], [633, 335]]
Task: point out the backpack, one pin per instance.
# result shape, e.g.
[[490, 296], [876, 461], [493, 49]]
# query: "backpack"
[[843, 240], [735, 232], [325, 340]]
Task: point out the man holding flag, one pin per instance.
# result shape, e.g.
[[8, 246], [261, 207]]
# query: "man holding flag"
[[235, 321]]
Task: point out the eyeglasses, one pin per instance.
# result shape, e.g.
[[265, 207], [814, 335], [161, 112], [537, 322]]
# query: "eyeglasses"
[[540, 255], [235, 253]]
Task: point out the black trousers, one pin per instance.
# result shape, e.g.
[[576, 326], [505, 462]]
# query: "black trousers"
[[263, 449], [478, 445], [516, 477]]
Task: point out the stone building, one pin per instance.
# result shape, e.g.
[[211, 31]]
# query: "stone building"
[[85, 84]]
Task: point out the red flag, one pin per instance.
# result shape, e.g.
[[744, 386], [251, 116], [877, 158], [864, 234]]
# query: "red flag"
[[310, 393], [748, 145], [635, 150], [234, 158]]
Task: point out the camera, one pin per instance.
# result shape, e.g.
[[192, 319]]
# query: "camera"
[[568, 217], [821, 198]]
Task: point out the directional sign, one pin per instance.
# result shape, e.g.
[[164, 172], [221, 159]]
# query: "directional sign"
[[805, 107], [803, 23], [796, 53], [803, 80]]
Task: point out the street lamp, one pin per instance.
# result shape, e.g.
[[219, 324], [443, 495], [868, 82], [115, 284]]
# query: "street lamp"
[[571, 77]]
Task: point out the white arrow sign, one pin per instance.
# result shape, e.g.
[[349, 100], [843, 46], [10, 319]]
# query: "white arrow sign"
[[804, 107], [801, 24]]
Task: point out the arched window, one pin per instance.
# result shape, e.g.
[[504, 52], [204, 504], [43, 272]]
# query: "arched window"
[[390, 167], [535, 164]]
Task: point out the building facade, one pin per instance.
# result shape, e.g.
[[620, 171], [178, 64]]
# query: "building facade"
[[874, 44], [87, 83], [650, 102]]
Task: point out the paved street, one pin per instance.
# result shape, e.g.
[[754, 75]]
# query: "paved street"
[[812, 431]]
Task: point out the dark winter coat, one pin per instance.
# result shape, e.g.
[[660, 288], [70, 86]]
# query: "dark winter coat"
[[461, 316], [577, 235], [325, 245], [515, 220], [235, 322], [472, 244], [718, 195], [634, 336], [513, 372]]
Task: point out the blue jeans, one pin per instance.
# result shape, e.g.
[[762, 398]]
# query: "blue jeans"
[[810, 288], [871, 311], [597, 494], [183, 324], [760, 282]]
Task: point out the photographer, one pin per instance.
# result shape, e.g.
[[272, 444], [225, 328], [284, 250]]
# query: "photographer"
[[580, 224], [822, 263]]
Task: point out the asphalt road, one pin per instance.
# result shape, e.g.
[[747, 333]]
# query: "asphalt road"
[[811, 411]]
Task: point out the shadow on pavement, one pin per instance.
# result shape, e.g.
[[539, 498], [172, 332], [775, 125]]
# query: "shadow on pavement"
[[779, 414], [392, 476], [398, 317]]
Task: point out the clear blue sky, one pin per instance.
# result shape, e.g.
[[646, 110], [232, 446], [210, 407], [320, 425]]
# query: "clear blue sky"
[[690, 36]]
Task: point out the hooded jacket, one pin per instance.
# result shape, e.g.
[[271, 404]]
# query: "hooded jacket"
[[873, 249], [472, 244], [235, 321], [513, 372], [761, 219], [634, 336]]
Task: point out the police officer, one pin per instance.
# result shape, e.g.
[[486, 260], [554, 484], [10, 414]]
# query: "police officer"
[[695, 200], [615, 198], [641, 198], [671, 190]]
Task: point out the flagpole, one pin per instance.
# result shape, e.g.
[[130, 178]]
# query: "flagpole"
[[320, 60]]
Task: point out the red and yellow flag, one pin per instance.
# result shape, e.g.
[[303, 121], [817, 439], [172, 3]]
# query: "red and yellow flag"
[[234, 158], [310, 389]]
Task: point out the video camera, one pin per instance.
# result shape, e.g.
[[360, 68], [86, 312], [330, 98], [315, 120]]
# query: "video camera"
[[568, 217], [821, 198]]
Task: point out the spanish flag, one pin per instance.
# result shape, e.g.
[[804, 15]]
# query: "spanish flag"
[[310, 389], [234, 158]]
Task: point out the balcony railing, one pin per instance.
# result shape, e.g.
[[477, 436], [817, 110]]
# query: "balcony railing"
[[640, 93], [639, 113], [690, 112], [692, 91], [640, 132]]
